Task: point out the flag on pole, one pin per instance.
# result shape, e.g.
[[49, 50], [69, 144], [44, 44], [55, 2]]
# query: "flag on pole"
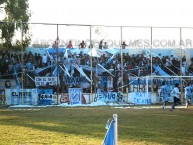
[[111, 135]]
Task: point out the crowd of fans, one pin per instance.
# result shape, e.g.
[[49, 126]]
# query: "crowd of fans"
[[12, 65]]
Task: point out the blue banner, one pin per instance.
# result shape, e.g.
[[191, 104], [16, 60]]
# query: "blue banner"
[[74, 80], [45, 91]]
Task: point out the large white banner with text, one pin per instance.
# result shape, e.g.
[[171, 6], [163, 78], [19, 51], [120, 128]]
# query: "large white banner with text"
[[42, 81], [139, 98], [21, 96]]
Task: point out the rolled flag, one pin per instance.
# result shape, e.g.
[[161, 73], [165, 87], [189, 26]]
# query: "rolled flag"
[[106, 70], [37, 71], [66, 71], [81, 72], [51, 58]]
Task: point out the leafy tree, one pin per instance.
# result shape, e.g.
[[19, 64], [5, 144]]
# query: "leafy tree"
[[17, 14]]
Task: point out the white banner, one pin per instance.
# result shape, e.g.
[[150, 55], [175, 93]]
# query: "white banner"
[[21, 96], [75, 95], [139, 98], [110, 97], [42, 81]]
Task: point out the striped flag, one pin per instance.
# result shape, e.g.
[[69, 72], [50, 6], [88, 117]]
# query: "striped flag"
[[81, 72]]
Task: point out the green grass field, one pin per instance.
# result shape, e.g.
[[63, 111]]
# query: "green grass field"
[[86, 126]]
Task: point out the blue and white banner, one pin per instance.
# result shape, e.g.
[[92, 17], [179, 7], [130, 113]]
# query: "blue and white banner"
[[74, 80], [109, 97], [21, 96], [45, 97], [48, 99], [75, 95], [140, 98], [106, 81], [42, 81]]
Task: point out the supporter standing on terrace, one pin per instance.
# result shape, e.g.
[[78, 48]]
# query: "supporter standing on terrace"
[[70, 44], [82, 44], [105, 46], [176, 96], [39, 61], [124, 45], [101, 44]]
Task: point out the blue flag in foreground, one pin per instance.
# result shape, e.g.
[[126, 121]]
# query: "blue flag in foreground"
[[109, 137]]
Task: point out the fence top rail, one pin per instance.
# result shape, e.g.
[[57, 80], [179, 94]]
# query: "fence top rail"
[[92, 25]]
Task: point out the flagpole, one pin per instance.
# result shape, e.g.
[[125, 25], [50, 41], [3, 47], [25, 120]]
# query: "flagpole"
[[115, 129]]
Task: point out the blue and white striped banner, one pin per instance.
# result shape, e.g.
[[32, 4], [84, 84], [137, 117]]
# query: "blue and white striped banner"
[[21, 96]]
